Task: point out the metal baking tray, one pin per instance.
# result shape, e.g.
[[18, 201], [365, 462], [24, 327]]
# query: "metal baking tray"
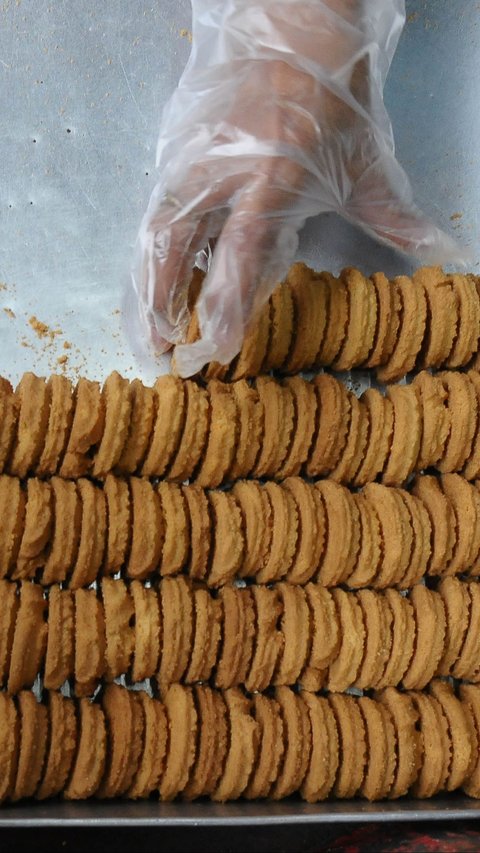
[[82, 85]]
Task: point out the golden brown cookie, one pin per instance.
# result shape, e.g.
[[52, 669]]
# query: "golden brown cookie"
[[340, 552], [460, 732], [254, 347], [62, 728], [352, 745], [8, 618], [147, 529], [87, 429], [32, 746], [281, 328], [470, 699], [168, 425], [379, 733], [435, 418], [119, 523], [338, 314], [257, 517], [93, 535], [377, 619], [177, 624], [200, 530], [9, 745], [222, 436], [266, 712], [33, 403], [472, 466], [466, 665], [354, 450], [388, 321], [278, 407], [442, 520], [407, 433], [456, 600], [243, 741], [311, 530], [147, 777], [430, 620], [148, 631], [324, 758], [442, 315], [433, 732], [142, 417], [422, 533], [228, 541], [362, 320], [206, 635], [297, 734], [403, 628], [369, 556], [325, 636], [194, 436], [12, 513], [344, 668], [37, 530], [394, 529], [283, 544], [222, 741], [238, 635], [268, 639], [411, 333], [250, 433], [211, 744], [89, 641], [462, 497], [119, 706], [468, 306], [8, 421], [462, 409], [67, 525], [330, 435], [60, 654], [176, 542], [29, 639], [181, 748], [118, 606], [310, 300], [409, 745], [379, 415], [295, 627], [59, 425], [90, 756], [305, 411]]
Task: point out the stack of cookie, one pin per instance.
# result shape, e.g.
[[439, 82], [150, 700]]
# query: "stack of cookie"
[[286, 573]]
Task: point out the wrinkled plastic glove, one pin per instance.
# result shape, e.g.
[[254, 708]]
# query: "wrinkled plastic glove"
[[278, 116]]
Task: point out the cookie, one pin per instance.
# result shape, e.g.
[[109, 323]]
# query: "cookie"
[[194, 436], [242, 748], [238, 636], [119, 524], [8, 421], [413, 316], [201, 532], [62, 727], [461, 496], [29, 638], [33, 402], [147, 529], [12, 513], [310, 299], [32, 745], [403, 628], [353, 452], [87, 429], [422, 533], [409, 745], [323, 766], [228, 542], [325, 636], [311, 530], [119, 611], [370, 553], [456, 600], [212, 736], [268, 639], [177, 623], [388, 321], [340, 553], [472, 466], [442, 315], [254, 347], [67, 528], [278, 407], [266, 713], [8, 618], [257, 521], [90, 757], [125, 722], [60, 421], [176, 542], [168, 425], [218, 758], [442, 520], [470, 699], [142, 415], [9, 745], [460, 732], [93, 535], [146, 777], [407, 434], [466, 664], [60, 653], [378, 413], [362, 320], [377, 619], [223, 430], [181, 748], [147, 631], [89, 641], [284, 538], [305, 411], [435, 418], [294, 625], [394, 528], [433, 732], [330, 435], [462, 409], [297, 733], [379, 733], [37, 530], [430, 620], [468, 306], [344, 669], [208, 624], [338, 315], [250, 429], [281, 328], [351, 745]]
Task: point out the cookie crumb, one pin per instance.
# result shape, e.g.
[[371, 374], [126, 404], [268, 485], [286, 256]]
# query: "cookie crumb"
[[10, 313], [186, 34], [456, 216]]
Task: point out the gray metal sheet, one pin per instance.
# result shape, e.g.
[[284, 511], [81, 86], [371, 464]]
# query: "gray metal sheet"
[[81, 88]]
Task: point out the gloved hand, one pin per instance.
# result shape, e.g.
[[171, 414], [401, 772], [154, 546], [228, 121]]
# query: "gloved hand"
[[278, 116]]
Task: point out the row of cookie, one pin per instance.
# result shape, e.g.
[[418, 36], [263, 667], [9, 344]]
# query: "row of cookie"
[[181, 431], [256, 636], [314, 319], [73, 532], [221, 744]]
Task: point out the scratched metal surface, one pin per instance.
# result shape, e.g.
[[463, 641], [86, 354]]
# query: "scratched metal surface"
[[82, 84]]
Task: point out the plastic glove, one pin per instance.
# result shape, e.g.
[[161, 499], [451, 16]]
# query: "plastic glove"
[[278, 116]]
